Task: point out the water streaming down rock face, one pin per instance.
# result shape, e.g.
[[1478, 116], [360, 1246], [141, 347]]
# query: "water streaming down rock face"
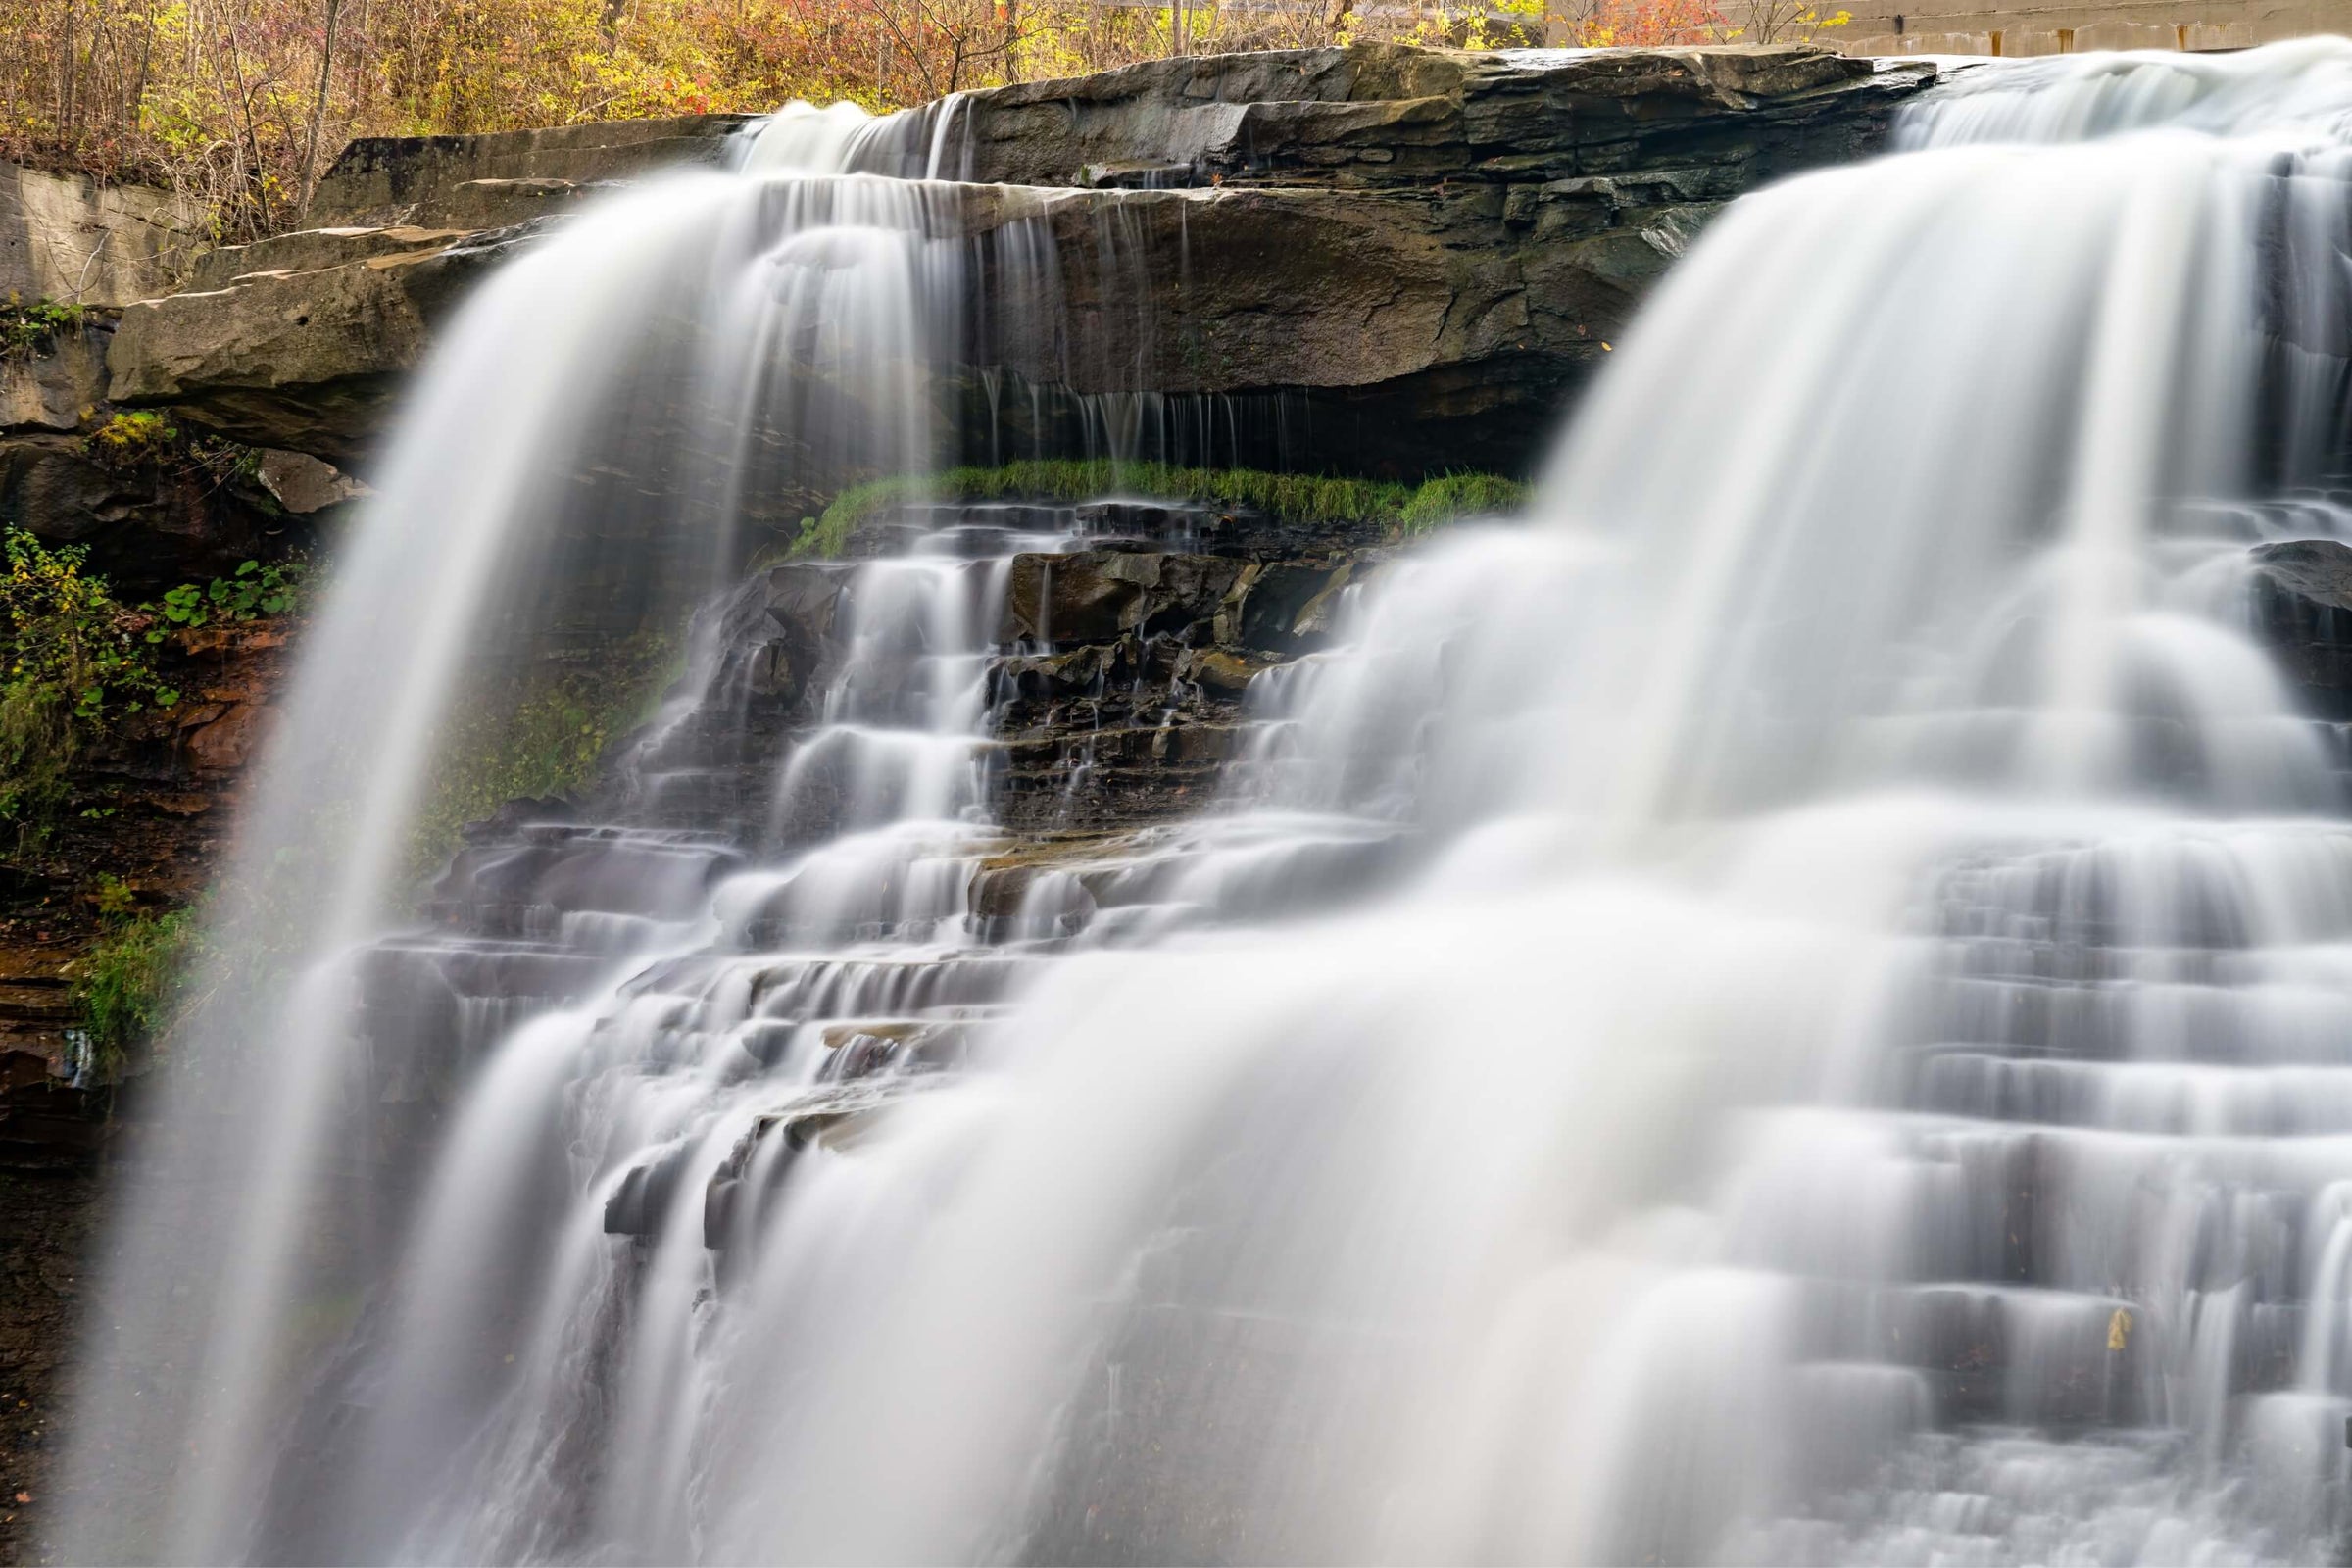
[[1841, 1055]]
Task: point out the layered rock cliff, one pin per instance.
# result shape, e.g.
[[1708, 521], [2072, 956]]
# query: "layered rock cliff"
[[1430, 248]]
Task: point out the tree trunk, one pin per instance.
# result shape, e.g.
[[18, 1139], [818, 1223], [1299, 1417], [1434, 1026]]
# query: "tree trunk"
[[139, 88], [310, 151], [64, 78]]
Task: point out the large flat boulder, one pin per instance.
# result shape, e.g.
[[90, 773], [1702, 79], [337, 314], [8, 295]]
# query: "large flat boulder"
[[308, 360]]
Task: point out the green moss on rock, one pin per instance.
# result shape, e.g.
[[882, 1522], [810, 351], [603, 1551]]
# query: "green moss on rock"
[[1302, 498]]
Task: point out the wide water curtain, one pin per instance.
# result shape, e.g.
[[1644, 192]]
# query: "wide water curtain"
[[1795, 1004]]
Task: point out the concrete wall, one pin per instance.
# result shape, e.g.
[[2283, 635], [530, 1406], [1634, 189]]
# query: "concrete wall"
[[1972, 27]]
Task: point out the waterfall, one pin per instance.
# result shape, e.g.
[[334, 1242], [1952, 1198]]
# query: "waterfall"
[[1793, 1006]]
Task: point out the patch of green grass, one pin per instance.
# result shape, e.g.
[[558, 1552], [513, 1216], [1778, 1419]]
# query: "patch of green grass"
[[1405, 509], [543, 733], [1454, 496], [129, 986]]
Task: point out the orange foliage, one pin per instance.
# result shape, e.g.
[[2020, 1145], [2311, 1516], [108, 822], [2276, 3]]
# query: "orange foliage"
[[1625, 24]]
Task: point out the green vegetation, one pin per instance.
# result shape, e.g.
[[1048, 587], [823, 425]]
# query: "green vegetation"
[[76, 661], [1454, 496], [252, 592], [1407, 510], [139, 438], [132, 437], [540, 734], [29, 329], [128, 985]]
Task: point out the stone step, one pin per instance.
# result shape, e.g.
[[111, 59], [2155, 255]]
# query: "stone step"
[[2166, 1098]]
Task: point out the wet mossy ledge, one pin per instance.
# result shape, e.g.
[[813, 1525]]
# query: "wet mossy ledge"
[[1376, 506]]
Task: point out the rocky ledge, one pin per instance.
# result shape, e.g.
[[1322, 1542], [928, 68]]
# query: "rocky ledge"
[[1430, 247]]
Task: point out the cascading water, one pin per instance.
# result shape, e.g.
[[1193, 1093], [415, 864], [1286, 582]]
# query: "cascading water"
[[1841, 1053]]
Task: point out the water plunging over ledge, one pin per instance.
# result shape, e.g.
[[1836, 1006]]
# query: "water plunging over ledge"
[[1796, 1007]]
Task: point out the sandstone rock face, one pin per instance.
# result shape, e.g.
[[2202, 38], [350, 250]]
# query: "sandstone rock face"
[[1428, 249], [293, 357], [507, 176], [56, 388], [303, 485], [66, 237], [315, 250]]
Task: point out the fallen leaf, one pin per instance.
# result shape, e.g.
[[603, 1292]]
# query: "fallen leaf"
[[2118, 1328]]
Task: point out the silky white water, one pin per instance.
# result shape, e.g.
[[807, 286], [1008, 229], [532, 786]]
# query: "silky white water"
[[1794, 1005]]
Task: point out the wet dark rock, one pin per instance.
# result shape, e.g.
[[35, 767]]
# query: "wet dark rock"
[[643, 1199], [1390, 115], [1271, 616], [1225, 673], [50, 1244], [2303, 610], [1101, 595], [150, 527], [738, 1194], [45, 1122], [518, 817], [560, 870]]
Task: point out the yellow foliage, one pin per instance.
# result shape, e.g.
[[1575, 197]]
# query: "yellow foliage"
[[241, 104]]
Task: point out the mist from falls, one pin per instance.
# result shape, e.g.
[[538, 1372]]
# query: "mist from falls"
[[1793, 1006]]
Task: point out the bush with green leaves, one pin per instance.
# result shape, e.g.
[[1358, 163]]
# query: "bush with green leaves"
[[132, 437], [29, 329], [78, 662], [130, 986], [248, 594]]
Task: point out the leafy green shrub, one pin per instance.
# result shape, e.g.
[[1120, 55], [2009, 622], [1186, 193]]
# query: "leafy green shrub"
[[132, 437], [129, 986], [29, 329], [77, 663], [252, 592], [1302, 498]]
